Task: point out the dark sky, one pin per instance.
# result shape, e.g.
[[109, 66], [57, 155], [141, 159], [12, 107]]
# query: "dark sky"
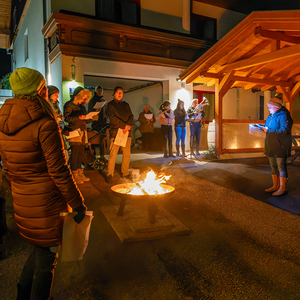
[[5, 66]]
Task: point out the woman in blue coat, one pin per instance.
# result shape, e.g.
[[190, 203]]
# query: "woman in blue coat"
[[278, 143]]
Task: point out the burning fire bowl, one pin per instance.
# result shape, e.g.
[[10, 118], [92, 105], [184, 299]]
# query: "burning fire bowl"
[[123, 190]]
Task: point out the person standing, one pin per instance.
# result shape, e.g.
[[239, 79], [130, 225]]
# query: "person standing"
[[166, 117], [121, 117], [75, 112], [180, 128], [195, 114], [278, 143], [146, 127], [99, 124], [41, 182]]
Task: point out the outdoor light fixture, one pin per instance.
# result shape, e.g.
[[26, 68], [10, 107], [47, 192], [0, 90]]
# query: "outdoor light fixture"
[[73, 72]]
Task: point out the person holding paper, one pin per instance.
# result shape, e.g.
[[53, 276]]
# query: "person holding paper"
[[278, 143], [166, 117], [75, 114], [41, 182], [97, 103], [147, 120], [121, 120]]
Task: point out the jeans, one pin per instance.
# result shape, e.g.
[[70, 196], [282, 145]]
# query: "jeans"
[[167, 133], [113, 151], [37, 275], [278, 166], [195, 128], [180, 135]]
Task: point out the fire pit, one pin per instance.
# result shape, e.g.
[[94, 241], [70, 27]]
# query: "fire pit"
[[150, 190]]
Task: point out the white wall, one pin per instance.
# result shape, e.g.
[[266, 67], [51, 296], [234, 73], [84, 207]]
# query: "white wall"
[[86, 66], [33, 22]]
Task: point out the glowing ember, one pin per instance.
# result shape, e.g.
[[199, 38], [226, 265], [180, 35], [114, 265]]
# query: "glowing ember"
[[151, 185]]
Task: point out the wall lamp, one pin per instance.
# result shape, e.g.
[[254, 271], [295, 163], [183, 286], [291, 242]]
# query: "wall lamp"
[[73, 72]]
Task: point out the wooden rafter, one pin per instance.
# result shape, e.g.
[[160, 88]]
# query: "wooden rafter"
[[275, 35], [262, 59]]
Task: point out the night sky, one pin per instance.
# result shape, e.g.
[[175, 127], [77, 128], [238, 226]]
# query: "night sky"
[[5, 66]]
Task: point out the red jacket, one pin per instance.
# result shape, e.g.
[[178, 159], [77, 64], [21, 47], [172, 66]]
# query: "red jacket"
[[33, 159]]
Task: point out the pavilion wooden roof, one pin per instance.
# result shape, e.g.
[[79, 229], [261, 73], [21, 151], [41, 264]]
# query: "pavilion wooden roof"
[[262, 52]]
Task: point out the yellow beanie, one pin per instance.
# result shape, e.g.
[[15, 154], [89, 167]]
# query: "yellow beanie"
[[25, 81]]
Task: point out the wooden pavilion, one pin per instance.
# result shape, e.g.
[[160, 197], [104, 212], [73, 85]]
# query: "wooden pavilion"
[[262, 52]]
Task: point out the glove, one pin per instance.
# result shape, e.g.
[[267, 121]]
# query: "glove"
[[80, 213]]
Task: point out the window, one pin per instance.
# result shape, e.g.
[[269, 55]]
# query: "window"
[[119, 11]]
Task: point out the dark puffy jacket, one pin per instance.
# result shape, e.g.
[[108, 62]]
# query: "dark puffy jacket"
[[72, 112], [34, 162], [278, 142], [101, 122], [120, 115]]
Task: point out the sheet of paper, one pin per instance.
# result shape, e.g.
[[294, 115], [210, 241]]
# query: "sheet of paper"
[[91, 114], [74, 133], [121, 138], [99, 104], [257, 130], [148, 116]]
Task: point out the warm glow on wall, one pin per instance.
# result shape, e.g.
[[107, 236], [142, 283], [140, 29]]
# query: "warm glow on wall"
[[183, 95]]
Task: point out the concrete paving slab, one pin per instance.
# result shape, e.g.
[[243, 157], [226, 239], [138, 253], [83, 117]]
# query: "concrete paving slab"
[[134, 225]]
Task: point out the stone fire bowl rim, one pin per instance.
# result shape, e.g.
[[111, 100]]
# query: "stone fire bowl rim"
[[131, 185]]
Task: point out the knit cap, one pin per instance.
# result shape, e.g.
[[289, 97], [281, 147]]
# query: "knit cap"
[[276, 101], [25, 81], [52, 90]]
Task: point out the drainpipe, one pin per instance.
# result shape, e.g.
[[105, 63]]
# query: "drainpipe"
[[45, 40], [186, 15]]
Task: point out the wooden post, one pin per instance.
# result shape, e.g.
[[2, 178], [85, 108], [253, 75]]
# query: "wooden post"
[[218, 117]]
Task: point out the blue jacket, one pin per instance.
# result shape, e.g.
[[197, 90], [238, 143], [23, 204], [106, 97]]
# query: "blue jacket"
[[278, 142]]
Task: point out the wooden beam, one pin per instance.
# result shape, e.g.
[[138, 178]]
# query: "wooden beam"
[[262, 59], [211, 82], [250, 86], [286, 94], [270, 81], [294, 92], [226, 83], [276, 35]]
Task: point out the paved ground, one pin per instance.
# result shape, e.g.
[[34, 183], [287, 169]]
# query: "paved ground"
[[240, 246]]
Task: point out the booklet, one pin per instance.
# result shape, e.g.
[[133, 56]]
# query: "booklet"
[[99, 105], [148, 116], [91, 114], [256, 129], [74, 133], [121, 138]]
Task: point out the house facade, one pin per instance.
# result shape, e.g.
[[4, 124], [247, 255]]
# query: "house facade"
[[143, 45]]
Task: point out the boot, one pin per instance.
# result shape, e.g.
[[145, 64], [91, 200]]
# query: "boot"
[[77, 177], [170, 151], [82, 175], [282, 188], [275, 186], [183, 150], [177, 150]]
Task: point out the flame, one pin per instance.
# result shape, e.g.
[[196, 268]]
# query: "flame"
[[151, 185]]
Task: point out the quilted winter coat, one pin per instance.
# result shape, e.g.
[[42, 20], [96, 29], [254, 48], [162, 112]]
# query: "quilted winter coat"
[[278, 142], [34, 162]]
